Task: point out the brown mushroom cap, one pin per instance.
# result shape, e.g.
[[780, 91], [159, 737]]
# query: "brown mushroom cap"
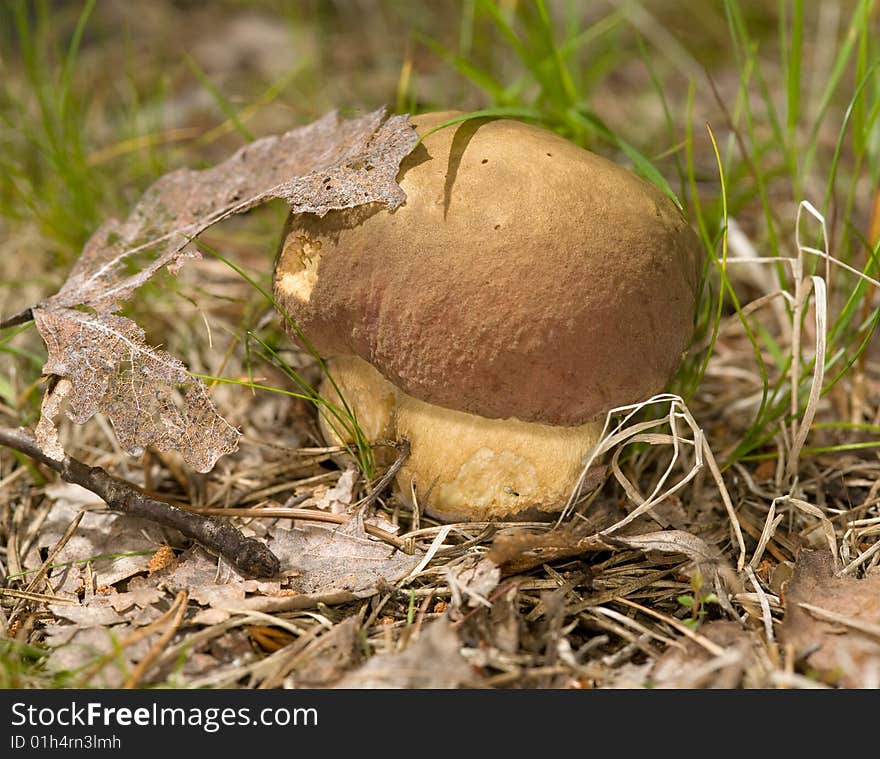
[[524, 277]]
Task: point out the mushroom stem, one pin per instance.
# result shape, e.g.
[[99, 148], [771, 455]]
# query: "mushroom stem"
[[463, 466]]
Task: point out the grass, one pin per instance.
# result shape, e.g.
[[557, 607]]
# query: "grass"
[[549, 90], [781, 369], [340, 417]]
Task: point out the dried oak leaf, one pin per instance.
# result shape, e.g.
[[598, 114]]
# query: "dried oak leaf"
[[340, 564], [207, 582], [833, 622], [148, 395], [335, 653], [473, 579], [321, 564], [98, 538], [691, 666], [96, 655], [434, 660]]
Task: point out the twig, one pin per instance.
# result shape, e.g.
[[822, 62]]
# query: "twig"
[[403, 447], [44, 569], [42, 598], [22, 317], [251, 556], [176, 612], [307, 515]]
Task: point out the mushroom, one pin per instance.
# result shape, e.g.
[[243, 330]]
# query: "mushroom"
[[526, 287]]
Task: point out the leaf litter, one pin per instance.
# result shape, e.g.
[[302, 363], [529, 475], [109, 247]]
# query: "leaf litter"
[[833, 622]]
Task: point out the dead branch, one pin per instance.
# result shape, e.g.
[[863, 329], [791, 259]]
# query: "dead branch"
[[22, 317], [402, 456], [251, 556]]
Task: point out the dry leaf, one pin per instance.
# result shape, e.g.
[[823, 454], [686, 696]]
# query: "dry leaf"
[[673, 541], [434, 660], [708, 560], [337, 499], [505, 621], [76, 649], [321, 564], [339, 650], [98, 537], [628, 676], [691, 666], [474, 579], [208, 581], [86, 616], [833, 622], [140, 597], [338, 564], [147, 394]]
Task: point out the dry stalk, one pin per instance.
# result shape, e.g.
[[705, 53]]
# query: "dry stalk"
[[248, 554], [47, 563], [176, 612]]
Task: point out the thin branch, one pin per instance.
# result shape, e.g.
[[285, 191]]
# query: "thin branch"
[[308, 515], [22, 317], [405, 545], [403, 448], [251, 556]]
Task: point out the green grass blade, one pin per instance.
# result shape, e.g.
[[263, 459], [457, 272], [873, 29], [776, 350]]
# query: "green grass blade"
[[219, 98]]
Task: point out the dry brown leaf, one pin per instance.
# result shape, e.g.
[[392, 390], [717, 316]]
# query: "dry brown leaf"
[[98, 537], [710, 563], [673, 541], [337, 564], [338, 498], [628, 676], [833, 622], [147, 394], [338, 652], [72, 647], [208, 581], [321, 564], [140, 597], [691, 666], [434, 660], [505, 621], [87, 616], [473, 580]]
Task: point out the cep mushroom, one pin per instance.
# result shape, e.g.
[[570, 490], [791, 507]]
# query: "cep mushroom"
[[526, 287]]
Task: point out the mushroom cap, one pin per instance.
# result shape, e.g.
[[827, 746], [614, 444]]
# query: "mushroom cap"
[[524, 277]]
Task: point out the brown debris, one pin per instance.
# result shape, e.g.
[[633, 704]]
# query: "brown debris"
[[432, 661], [833, 623], [691, 666]]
